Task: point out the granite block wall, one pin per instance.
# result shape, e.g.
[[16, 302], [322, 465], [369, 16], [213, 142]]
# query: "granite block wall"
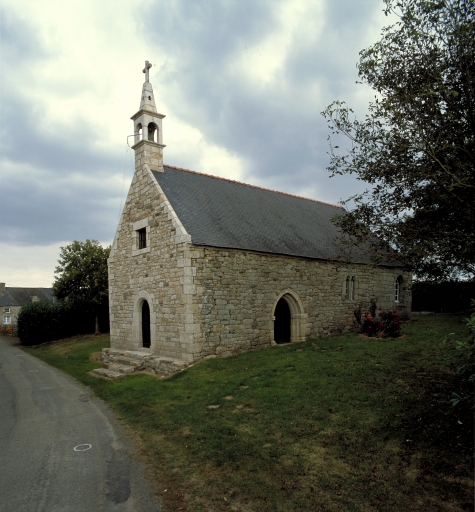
[[210, 301]]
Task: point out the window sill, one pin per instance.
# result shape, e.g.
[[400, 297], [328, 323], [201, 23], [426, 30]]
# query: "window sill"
[[138, 252]]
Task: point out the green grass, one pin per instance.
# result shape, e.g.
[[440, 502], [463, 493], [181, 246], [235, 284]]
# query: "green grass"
[[339, 423]]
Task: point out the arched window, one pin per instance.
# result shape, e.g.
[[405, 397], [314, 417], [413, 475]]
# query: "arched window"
[[350, 288], [398, 289], [152, 132]]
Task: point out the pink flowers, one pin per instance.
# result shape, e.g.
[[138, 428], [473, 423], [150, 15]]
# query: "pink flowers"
[[388, 326]]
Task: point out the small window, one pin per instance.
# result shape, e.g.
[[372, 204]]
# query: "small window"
[[7, 310], [142, 233], [140, 237], [7, 319], [398, 289], [350, 288]]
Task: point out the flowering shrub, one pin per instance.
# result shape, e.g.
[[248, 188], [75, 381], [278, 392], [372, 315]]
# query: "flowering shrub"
[[388, 325]]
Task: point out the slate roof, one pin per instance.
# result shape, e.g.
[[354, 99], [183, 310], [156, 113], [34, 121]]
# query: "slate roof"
[[14, 296], [223, 213]]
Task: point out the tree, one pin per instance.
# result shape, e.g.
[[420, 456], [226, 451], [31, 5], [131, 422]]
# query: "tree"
[[83, 279], [416, 145]]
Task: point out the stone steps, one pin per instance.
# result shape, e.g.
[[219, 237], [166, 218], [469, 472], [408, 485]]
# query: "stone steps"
[[125, 369], [118, 363], [108, 374]]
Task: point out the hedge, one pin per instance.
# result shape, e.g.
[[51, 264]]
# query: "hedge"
[[445, 297], [39, 322]]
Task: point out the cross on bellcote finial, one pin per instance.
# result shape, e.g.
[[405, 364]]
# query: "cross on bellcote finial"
[[146, 68]]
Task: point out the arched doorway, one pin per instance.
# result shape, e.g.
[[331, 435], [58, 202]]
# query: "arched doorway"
[[282, 322], [145, 324]]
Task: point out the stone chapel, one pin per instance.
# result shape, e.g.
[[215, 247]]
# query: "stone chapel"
[[203, 266]]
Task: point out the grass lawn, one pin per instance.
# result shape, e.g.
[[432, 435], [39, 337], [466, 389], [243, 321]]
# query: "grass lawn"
[[338, 423]]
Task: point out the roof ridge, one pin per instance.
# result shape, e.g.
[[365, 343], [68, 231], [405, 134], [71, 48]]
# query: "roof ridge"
[[252, 186]]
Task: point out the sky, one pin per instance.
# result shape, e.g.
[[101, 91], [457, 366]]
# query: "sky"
[[242, 84]]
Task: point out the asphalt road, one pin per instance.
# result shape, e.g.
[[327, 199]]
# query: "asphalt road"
[[61, 449]]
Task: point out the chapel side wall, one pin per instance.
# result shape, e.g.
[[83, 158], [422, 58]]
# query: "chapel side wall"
[[237, 290], [158, 274]]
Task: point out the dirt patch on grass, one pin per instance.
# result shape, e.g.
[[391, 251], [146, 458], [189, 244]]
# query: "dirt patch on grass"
[[96, 357]]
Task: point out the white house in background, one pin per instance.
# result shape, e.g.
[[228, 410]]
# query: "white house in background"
[[12, 298]]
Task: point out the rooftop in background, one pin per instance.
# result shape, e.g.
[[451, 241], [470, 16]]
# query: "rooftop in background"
[[218, 212], [18, 296]]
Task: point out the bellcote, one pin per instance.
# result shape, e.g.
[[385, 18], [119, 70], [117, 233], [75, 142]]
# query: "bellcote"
[[147, 121]]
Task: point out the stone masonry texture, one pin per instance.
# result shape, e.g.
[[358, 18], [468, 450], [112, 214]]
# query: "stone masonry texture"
[[208, 301]]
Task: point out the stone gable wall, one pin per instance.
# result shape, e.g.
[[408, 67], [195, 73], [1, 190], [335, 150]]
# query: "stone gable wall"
[[237, 292], [205, 301], [160, 273]]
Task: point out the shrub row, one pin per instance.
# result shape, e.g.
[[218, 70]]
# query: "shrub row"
[[445, 297], [39, 322]]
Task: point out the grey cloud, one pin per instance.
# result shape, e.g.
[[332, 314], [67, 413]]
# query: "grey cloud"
[[281, 131], [67, 150], [42, 208], [43, 205], [40, 202], [205, 33], [19, 43]]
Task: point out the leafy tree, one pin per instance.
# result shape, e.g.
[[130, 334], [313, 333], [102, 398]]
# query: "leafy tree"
[[416, 145], [83, 279]]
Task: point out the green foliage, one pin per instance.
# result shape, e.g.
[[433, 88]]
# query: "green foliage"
[[39, 322], [386, 325], [416, 146], [460, 356], [342, 423], [82, 273], [443, 296], [83, 279], [82, 287]]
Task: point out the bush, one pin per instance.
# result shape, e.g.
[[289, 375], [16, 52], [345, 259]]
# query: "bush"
[[39, 322], [459, 355], [444, 297], [388, 325]]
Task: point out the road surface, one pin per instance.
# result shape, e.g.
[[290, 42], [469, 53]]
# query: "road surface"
[[61, 449]]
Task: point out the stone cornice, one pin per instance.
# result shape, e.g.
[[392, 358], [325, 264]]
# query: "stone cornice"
[[149, 112], [151, 142]]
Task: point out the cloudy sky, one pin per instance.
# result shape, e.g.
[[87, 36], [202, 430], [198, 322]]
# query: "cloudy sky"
[[241, 82]]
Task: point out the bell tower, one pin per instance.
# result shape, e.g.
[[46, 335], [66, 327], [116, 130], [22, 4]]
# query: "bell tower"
[[148, 135]]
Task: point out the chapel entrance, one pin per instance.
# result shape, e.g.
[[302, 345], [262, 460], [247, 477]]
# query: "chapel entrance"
[[145, 324], [282, 322]]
